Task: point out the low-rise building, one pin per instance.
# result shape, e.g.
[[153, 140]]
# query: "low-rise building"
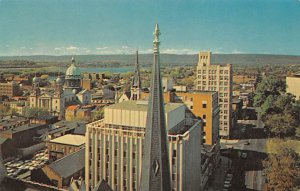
[[62, 171], [237, 106], [65, 145], [9, 122], [293, 84], [7, 148], [78, 112], [61, 128], [23, 136]]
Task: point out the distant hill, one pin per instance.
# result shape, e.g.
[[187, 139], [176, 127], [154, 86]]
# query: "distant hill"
[[166, 59]]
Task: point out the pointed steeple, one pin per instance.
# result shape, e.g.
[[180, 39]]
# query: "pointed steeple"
[[155, 175], [136, 76], [136, 85]]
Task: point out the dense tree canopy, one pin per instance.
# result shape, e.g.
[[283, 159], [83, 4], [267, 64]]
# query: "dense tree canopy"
[[35, 112], [282, 168], [279, 111]]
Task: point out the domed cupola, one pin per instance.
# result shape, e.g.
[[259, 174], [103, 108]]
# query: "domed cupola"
[[72, 71], [73, 77], [35, 80], [59, 81]]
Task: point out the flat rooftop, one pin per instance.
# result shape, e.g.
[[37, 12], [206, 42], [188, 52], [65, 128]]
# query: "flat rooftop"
[[69, 139], [141, 106], [22, 128], [198, 92]]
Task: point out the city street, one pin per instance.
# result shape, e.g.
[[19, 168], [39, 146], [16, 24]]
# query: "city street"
[[247, 153]]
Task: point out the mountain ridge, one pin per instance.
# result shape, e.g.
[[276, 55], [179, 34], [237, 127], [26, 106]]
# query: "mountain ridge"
[[166, 59]]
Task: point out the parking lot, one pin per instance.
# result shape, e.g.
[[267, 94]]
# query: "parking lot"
[[18, 167]]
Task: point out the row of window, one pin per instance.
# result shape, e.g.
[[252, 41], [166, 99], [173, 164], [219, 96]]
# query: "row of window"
[[213, 71]]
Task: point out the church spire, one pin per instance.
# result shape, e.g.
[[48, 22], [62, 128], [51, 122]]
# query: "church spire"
[[155, 175], [136, 77], [136, 84]]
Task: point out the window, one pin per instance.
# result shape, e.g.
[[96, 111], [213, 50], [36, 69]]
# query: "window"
[[191, 107], [174, 153], [173, 176], [204, 116], [203, 105]]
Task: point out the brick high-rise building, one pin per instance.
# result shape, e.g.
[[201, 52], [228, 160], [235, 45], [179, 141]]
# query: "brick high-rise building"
[[217, 77]]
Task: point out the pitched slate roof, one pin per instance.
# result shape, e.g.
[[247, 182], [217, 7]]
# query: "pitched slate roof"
[[70, 164]]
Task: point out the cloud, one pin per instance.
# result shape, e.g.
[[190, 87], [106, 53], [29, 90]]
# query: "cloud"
[[72, 48], [57, 49], [237, 52], [102, 48], [148, 51], [125, 47], [178, 51]]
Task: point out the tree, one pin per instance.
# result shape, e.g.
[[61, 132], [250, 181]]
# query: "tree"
[[268, 86], [3, 110], [99, 114], [34, 112], [282, 125], [282, 170]]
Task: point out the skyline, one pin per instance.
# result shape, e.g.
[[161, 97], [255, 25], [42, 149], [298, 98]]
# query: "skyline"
[[73, 27]]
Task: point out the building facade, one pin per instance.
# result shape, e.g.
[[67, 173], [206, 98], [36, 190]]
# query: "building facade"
[[204, 104], [9, 89], [214, 77], [293, 85], [54, 102], [114, 147], [65, 145]]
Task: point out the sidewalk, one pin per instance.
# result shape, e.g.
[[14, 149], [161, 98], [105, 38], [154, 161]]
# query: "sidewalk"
[[217, 181]]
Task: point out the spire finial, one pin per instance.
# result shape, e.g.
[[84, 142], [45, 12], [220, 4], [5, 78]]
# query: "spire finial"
[[156, 42]]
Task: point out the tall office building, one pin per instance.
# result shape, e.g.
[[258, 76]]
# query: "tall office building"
[[114, 147], [216, 77]]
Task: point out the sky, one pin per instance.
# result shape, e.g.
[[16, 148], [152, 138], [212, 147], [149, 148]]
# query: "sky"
[[73, 27]]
